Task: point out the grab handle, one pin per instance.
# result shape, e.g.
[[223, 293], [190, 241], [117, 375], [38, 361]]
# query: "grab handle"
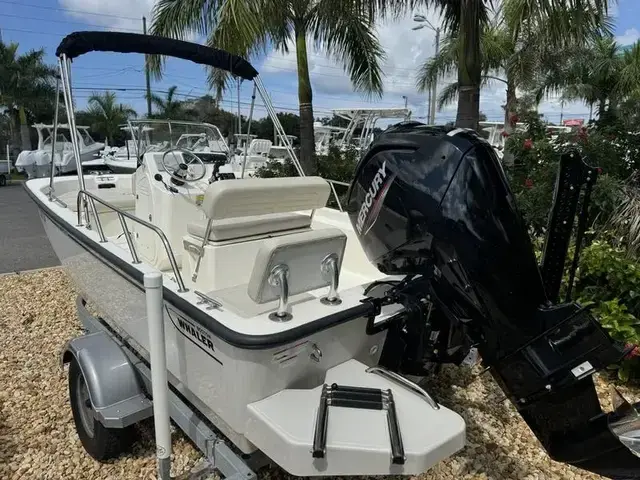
[[393, 376]]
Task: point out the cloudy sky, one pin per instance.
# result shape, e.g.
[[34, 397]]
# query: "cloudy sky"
[[43, 23]]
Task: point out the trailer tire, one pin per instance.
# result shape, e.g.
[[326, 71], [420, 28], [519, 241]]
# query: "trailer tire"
[[100, 442], [3, 180]]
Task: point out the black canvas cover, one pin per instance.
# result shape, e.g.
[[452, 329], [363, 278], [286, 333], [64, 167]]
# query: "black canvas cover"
[[79, 43]]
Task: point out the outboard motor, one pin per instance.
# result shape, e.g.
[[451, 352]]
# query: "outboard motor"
[[433, 204]]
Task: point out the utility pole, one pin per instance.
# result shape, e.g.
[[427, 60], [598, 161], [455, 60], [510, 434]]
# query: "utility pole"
[[240, 118], [432, 113], [146, 70], [423, 22]]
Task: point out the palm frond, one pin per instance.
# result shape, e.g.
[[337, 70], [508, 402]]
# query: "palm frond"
[[564, 20], [496, 48], [181, 18], [341, 29], [247, 39], [439, 66], [448, 95]]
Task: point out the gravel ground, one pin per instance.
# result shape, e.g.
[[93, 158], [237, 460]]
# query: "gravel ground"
[[38, 438]]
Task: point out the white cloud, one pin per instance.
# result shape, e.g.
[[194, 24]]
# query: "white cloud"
[[630, 36], [405, 49], [115, 14]]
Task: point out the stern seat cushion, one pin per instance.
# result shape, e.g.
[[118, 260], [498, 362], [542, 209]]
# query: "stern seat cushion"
[[240, 227]]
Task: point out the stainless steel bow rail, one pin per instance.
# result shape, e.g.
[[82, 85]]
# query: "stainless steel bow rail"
[[127, 234], [357, 397]]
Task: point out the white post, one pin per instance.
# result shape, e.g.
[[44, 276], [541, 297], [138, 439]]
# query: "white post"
[[8, 162], [159, 387]]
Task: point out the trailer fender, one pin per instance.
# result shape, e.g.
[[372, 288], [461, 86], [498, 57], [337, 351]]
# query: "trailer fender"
[[116, 394]]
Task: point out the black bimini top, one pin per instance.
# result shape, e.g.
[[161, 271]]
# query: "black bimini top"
[[79, 43]]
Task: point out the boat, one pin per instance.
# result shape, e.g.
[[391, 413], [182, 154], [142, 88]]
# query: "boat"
[[247, 159], [293, 331], [159, 135], [325, 136], [37, 163], [279, 151], [123, 159], [364, 120]]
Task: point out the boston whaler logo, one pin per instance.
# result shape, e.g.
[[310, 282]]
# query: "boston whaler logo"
[[197, 335], [374, 199]]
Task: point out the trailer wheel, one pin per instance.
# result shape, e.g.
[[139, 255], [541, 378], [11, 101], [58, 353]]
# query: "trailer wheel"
[[99, 441], [3, 180]]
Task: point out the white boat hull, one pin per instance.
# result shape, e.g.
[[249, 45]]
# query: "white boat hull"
[[251, 390], [37, 163], [220, 378], [121, 165]]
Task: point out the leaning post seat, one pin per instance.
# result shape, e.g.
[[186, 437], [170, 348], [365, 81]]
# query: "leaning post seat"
[[251, 208]]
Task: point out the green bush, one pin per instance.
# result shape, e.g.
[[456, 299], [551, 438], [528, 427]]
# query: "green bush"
[[608, 276], [610, 281], [534, 173], [336, 165]]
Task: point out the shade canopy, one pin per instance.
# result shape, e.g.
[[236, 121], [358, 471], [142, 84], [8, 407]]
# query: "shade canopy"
[[79, 43]]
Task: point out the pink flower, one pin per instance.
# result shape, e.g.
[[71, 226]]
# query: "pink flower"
[[528, 183], [528, 144], [635, 351]]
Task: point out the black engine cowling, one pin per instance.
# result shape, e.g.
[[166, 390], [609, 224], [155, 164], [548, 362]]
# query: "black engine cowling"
[[427, 196], [434, 202]]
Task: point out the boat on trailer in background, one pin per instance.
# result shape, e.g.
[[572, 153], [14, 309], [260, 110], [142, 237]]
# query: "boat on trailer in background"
[[161, 135], [37, 163], [291, 328]]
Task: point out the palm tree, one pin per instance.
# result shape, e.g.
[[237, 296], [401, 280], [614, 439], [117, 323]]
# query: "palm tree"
[[599, 73], [167, 107], [107, 115], [26, 84], [342, 28], [563, 21], [496, 48], [513, 58]]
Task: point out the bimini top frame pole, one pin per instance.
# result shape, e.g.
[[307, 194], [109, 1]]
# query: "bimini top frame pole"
[[79, 43]]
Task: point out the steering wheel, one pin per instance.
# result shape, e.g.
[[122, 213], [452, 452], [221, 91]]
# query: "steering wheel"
[[182, 171]]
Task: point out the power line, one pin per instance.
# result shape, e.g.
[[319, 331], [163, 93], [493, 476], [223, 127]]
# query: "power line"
[[312, 55], [57, 9], [49, 20], [232, 102]]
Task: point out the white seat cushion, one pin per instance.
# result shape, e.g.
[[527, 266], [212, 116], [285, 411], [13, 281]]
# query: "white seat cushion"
[[233, 228], [123, 200], [303, 254], [262, 196]]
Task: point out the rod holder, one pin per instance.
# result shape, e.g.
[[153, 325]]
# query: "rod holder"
[[329, 268], [279, 278]]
